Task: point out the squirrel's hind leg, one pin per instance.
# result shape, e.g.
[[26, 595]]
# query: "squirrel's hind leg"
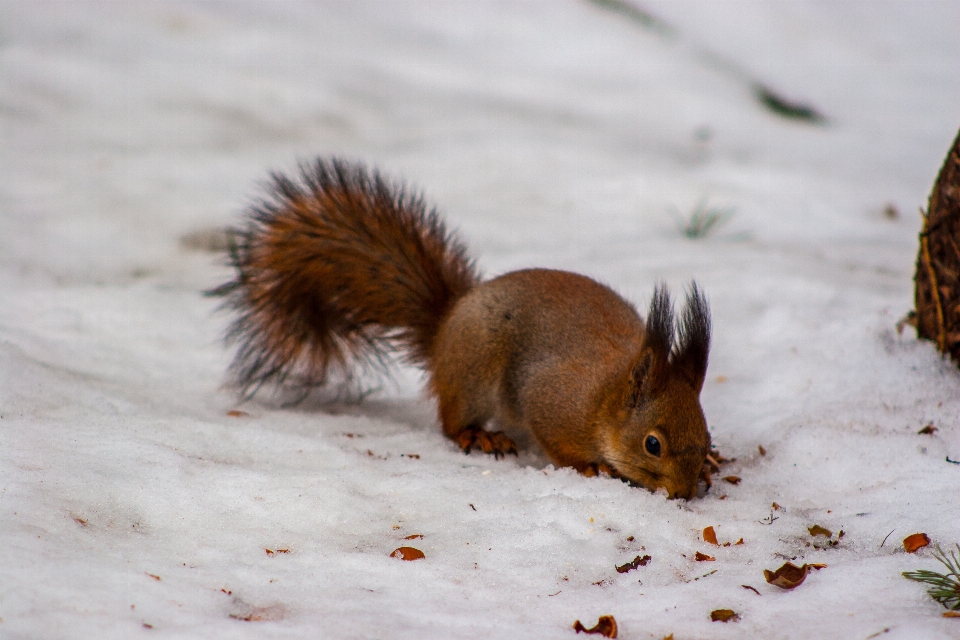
[[495, 442], [465, 375], [463, 421]]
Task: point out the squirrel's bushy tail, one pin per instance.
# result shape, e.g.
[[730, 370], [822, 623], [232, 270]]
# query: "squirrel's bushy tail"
[[335, 268]]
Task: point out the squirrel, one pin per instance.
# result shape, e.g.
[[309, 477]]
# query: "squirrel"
[[340, 267]]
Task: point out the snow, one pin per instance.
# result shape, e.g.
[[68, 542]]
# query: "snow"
[[556, 134]]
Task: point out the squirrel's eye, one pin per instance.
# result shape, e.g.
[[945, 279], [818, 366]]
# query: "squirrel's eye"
[[652, 445]]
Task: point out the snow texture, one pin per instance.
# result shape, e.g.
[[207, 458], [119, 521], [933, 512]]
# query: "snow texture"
[[557, 134]]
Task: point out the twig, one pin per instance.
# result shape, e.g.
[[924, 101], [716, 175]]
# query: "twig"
[[634, 12], [885, 539], [762, 92], [953, 243], [713, 463], [770, 518]]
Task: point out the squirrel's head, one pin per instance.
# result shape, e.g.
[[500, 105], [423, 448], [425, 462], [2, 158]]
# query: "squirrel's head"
[[661, 437]]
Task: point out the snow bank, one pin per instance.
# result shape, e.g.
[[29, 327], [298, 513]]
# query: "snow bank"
[[559, 135]]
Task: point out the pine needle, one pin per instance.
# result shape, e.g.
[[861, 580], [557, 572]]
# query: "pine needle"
[[945, 587]]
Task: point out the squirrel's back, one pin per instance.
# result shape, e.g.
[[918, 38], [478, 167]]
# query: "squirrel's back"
[[526, 324]]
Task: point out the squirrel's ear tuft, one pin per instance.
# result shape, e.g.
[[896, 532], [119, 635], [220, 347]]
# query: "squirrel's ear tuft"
[[660, 328], [693, 349], [649, 373]]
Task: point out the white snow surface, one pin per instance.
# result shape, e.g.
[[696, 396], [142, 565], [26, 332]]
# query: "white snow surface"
[[556, 134]]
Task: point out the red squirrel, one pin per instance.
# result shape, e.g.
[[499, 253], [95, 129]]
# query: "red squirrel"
[[340, 267]]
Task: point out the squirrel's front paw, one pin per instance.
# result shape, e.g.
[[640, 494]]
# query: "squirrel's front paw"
[[596, 468], [495, 442]]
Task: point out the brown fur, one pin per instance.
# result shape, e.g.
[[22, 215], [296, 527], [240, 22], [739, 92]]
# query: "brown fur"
[[344, 267]]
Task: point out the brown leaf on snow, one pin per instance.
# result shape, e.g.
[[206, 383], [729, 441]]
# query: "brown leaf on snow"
[[724, 615], [928, 430], [790, 576], [633, 564], [732, 479], [702, 557], [817, 530], [414, 536], [236, 413], [709, 535], [407, 553], [916, 541], [606, 626], [249, 613], [951, 614]]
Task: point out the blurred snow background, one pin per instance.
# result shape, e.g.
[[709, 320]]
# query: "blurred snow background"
[[558, 134]]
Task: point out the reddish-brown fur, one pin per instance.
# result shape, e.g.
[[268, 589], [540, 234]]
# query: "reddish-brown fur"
[[343, 267]]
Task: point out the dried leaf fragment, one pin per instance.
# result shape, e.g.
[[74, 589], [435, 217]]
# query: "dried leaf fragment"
[[236, 413], [702, 557], [407, 553], [606, 626], [762, 451], [269, 613], [732, 479], [157, 578], [928, 430], [414, 536], [916, 541], [724, 615], [951, 614], [709, 535], [789, 576], [817, 530], [633, 564]]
